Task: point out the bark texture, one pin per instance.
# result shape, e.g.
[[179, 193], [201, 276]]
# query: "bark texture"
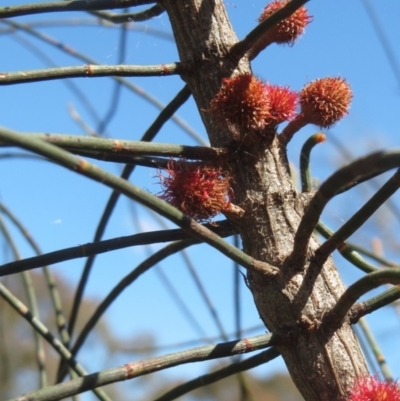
[[323, 361]]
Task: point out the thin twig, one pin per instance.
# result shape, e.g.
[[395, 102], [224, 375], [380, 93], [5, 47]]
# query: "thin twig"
[[32, 301], [165, 114], [367, 283], [89, 71], [234, 368], [371, 305], [378, 162], [93, 22], [105, 146], [84, 168], [50, 279], [242, 47], [376, 350], [50, 338], [136, 89], [122, 285], [117, 90], [355, 222], [373, 255], [71, 5], [131, 370], [121, 18], [347, 250], [224, 229], [305, 153], [138, 349]]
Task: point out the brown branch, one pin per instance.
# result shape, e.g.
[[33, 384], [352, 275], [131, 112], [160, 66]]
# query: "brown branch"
[[367, 283], [242, 47], [90, 71], [371, 305], [140, 368], [96, 145], [73, 5], [121, 18], [224, 229]]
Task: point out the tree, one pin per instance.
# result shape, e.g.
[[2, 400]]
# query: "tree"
[[246, 176]]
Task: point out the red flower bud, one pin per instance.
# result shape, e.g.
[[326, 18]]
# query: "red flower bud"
[[371, 389], [198, 190], [325, 101], [286, 31], [252, 109], [283, 103], [242, 104]]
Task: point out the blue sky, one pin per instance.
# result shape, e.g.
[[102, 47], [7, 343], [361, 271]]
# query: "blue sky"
[[62, 209]]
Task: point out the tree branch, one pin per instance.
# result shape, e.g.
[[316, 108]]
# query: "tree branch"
[[81, 145], [359, 218], [136, 89], [121, 18], [371, 305], [348, 251], [90, 71], [242, 47], [140, 368], [189, 225], [367, 283], [224, 229], [72, 5], [165, 114], [65, 354], [205, 380], [378, 162]]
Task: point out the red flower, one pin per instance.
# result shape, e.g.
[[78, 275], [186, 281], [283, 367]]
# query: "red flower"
[[371, 389], [286, 31], [325, 101], [283, 103], [242, 104], [249, 107], [198, 190]]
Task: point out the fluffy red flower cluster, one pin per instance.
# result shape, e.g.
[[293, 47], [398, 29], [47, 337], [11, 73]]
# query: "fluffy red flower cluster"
[[251, 111], [198, 190], [286, 31], [371, 389], [323, 102], [246, 105]]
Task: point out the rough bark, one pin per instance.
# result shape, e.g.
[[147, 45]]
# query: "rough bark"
[[323, 362]]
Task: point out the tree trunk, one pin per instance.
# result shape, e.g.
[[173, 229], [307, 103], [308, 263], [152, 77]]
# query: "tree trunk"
[[322, 363]]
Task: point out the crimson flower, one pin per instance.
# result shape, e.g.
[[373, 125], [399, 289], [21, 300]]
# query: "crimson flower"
[[323, 102], [285, 32], [196, 189], [242, 104], [283, 103], [251, 109], [372, 389]]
